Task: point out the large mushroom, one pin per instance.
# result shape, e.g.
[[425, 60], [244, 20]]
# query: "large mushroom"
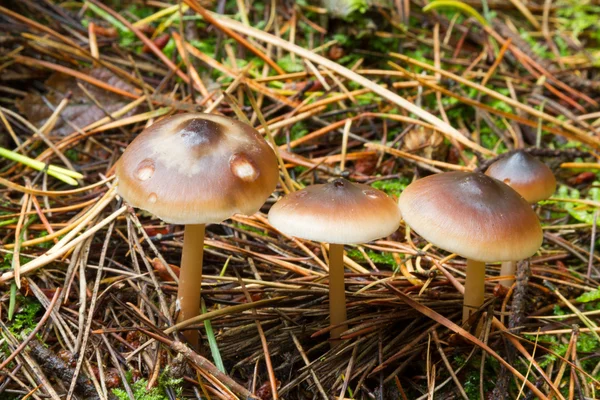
[[531, 178], [196, 169], [338, 213], [474, 216]]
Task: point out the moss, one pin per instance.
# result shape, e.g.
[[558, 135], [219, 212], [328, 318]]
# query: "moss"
[[473, 381], [392, 186], [377, 258], [589, 296], [140, 392], [290, 65], [586, 343], [577, 17], [579, 212], [158, 393], [25, 318], [249, 228]]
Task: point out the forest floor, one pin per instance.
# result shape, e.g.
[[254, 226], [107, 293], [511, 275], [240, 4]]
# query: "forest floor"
[[380, 94]]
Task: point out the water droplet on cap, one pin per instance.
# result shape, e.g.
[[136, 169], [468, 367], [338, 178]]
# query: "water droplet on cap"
[[370, 194], [145, 170], [152, 198], [243, 167]]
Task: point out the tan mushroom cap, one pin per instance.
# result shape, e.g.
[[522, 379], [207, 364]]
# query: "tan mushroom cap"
[[530, 177], [337, 212], [472, 215], [197, 169]]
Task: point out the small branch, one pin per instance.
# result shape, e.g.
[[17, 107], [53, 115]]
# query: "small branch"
[[37, 328]]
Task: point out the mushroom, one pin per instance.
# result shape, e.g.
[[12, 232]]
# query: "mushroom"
[[338, 213], [531, 178], [475, 216], [196, 169]]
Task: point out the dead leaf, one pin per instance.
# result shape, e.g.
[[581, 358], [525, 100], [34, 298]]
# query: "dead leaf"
[[427, 142], [81, 110]]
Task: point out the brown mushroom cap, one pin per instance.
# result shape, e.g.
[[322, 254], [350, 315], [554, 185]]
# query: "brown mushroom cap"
[[197, 168], [473, 215], [530, 177], [338, 212]]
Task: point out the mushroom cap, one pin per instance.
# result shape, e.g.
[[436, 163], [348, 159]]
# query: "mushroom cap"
[[197, 169], [530, 177], [338, 212], [472, 215]]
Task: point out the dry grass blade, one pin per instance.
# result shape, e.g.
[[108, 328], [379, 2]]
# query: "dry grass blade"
[[80, 80], [455, 328], [51, 193], [348, 74], [222, 311], [202, 363], [406, 155], [581, 135], [202, 11], [76, 74], [46, 258]]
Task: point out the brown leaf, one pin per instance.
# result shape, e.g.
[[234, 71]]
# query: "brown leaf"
[[584, 177], [426, 142], [161, 270], [81, 111], [159, 42], [106, 32], [366, 165], [264, 392]]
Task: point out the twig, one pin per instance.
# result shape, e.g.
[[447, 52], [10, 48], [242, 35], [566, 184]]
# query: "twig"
[[54, 364], [34, 332], [201, 363]]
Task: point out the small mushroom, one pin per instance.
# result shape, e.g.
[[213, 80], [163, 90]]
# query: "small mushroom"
[[195, 169], [338, 213], [531, 178], [475, 216]]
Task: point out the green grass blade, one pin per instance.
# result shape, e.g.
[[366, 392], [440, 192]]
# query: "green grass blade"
[[12, 301], [212, 341], [107, 17], [60, 173], [459, 5]]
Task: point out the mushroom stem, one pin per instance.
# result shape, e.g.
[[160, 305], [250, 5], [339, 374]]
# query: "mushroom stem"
[[508, 268], [474, 287], [190, 278], [337, 291]]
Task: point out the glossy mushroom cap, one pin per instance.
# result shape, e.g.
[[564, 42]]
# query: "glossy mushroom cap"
[[530, 177], [197, 169], [338, 212], [472, 215]]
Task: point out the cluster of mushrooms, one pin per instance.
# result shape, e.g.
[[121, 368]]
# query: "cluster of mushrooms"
[[196, 169]]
